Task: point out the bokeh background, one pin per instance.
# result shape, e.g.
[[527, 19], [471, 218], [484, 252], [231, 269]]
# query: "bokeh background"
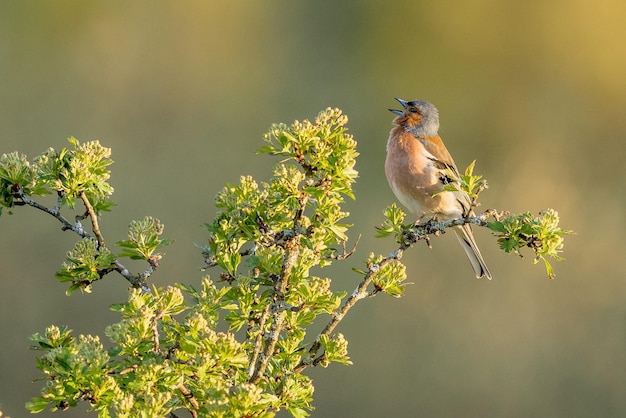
[[183, 92]]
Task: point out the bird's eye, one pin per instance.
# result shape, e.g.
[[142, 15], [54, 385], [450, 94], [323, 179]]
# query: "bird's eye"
[[413, 109]]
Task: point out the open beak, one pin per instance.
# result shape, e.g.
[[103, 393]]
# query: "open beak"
[[399, 112]]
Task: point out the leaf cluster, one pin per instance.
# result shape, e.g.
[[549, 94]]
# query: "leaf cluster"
[[143, 240], [160, 361], [541, 234], [17, 173], [80, 173], [85, 264], [83, 169]]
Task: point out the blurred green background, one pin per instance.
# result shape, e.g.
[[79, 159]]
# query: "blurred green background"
[[183, 92]]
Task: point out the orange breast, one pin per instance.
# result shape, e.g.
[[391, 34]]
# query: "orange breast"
[[411, 174]]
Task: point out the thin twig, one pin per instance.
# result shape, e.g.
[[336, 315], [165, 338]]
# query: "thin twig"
[[346, 254], [77, 227], [153, 264], [156, 339], [258, 343], [192, 400], [127, 370], [94, 218]]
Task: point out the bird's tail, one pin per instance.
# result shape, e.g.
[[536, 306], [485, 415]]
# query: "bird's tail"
[[466, 239]]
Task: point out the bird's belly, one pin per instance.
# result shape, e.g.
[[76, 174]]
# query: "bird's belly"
[[414, 199], [425, 199]]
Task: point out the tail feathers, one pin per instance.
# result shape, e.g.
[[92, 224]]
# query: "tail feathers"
[[466, 239]]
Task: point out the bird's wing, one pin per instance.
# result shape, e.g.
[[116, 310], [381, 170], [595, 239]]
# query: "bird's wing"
[[448, 172], [434, 145]]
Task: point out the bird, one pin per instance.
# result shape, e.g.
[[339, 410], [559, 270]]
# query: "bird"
[[418, 166]]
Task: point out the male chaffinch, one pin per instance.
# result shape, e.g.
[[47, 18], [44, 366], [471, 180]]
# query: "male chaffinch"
[[418, 165]]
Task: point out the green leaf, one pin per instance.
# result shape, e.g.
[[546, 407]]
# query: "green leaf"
[[496, 226], [37, 404]]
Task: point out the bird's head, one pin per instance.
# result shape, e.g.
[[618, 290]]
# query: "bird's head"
[[418, 117]]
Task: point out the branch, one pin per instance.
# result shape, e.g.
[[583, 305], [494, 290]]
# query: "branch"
[[155, 331], [77, 227], [94, 218], [359, 293], [137, 282], [346, 254], [153, 264], [258, 343], [277, 309], [189, 397], [434, 227]]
